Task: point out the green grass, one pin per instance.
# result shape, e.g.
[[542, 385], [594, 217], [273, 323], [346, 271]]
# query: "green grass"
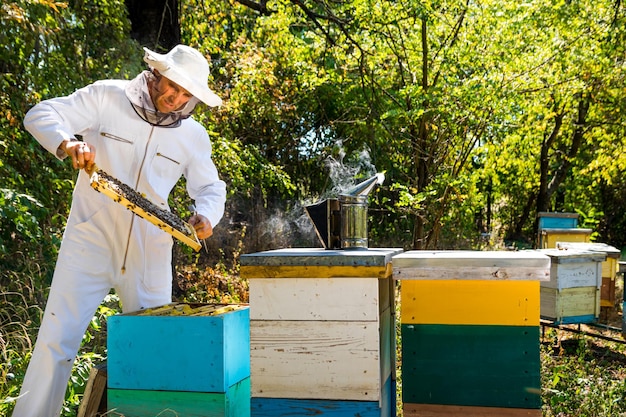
[[582, 376]]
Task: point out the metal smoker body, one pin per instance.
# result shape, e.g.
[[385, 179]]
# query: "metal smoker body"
[[342, 223]]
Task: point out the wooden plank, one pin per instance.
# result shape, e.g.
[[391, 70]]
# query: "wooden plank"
[[581, 302], [589, 318], [465, 260], [572, 256], [607, 292], [206, 353], [431, 410], [387, 345], [387, 294], [287, 407], [335, 360], [315, 271], [610, 251], [576, 274], [141, 403], [95, 399], [610, 268], [548, 304], [290, 407], [509, 303], [494, 273], [340, 299], [491, 366], [319, 256], [387, 326]]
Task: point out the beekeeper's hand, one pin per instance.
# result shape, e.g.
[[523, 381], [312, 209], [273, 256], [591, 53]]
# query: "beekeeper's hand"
[[83, 154], [202, 225]]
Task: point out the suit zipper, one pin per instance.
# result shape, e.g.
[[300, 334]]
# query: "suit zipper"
[[167, 157], [114, 137], [132, 220]]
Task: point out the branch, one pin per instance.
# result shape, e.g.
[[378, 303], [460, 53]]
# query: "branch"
[[451, 40], [329, 17], [260, 7], [315, 17], [577, 139]]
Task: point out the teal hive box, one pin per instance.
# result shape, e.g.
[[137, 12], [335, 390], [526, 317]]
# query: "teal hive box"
[[179, 347], [138, 403], [549, 220]]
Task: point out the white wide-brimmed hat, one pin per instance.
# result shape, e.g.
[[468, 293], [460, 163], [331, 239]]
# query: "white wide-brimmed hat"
[[186, 67]]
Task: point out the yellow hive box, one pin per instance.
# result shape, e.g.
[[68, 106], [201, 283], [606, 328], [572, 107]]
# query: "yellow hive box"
[[549, 237], [506, 303]]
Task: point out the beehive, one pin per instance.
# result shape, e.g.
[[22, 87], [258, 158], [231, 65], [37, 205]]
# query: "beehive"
[[609, 267], [321, 332], [554, 220], [572, 294], [191, 359], [235, 402], [470, 332], [549, 237]]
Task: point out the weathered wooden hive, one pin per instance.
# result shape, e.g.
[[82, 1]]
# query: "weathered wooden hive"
[[572, 295], [610, 267], [322, 333]]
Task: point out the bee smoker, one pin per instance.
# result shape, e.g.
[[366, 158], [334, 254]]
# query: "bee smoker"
[[341, 223]]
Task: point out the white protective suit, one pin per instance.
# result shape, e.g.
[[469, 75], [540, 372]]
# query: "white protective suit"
[[105, 245]]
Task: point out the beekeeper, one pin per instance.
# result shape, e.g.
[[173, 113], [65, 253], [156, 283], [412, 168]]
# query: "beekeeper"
[[141, 133]]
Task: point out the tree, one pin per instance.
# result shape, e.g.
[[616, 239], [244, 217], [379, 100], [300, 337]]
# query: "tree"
[[488, 102], [155, 23], [562, 118]]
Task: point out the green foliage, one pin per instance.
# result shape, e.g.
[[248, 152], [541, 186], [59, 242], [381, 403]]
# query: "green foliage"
[[477, 112], [418, 86], [39, 38], [20, 211], [582, 377]]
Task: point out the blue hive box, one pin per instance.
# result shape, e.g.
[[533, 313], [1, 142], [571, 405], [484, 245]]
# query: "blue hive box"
[[180, 347], [549, 220]]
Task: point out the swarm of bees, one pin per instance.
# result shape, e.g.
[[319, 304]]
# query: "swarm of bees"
[[144, 208]]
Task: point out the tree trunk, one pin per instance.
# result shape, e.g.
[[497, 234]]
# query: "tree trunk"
[[543, 196], [419, 147], [155, 24], [548, 188]]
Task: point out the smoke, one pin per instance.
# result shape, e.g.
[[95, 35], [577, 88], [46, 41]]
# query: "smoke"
[[294, 228], [343, 171], [284, 229]]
